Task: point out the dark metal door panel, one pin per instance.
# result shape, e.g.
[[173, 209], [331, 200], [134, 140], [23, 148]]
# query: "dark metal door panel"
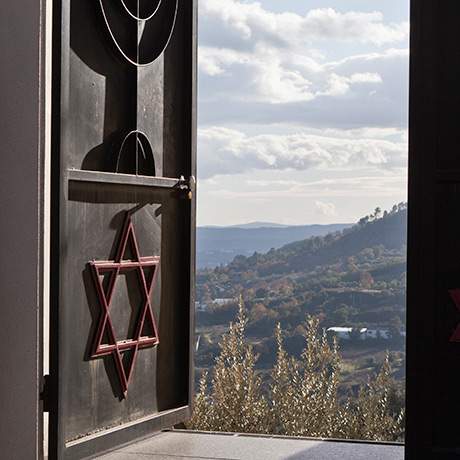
[[433, 314], [123, 221]]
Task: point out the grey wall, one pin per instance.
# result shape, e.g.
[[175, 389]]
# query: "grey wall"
[[21, 122]]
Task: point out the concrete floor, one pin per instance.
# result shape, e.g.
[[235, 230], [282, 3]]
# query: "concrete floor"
[[204, 446]]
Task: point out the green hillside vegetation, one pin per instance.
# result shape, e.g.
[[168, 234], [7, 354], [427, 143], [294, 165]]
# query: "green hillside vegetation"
[[354, 278]]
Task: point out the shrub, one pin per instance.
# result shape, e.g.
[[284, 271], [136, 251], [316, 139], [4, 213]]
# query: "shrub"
[[302, 396], [236, 403]]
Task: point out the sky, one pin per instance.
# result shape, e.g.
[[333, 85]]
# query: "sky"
[[302, 110]]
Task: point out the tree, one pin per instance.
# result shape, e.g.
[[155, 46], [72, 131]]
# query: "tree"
[[363, 221], [261, 292], [235, 403], [371, 416], [260, 311], [202, 412], [395, 326], [340, 316], [302, 397], [282, 390], [366, 280]]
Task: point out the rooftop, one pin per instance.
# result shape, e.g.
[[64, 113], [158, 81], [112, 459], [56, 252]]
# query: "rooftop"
[[178, 444]]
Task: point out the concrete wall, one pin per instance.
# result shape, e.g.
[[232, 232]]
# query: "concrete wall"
[[21, 193]]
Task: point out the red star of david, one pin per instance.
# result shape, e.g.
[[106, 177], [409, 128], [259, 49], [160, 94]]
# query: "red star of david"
[[455, 295], [145, 318]]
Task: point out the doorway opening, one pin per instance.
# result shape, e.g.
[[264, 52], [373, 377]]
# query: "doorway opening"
[[302, 217]]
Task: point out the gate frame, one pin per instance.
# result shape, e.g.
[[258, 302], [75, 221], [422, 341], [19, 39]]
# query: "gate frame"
[[22, 117]]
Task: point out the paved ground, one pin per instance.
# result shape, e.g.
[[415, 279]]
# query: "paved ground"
[[182, 445]]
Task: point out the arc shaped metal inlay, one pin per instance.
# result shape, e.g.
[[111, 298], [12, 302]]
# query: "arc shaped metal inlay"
[[142, 142], [163, 6], [137, 15]]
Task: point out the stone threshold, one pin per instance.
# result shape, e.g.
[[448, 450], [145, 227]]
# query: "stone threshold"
[[195, 445]]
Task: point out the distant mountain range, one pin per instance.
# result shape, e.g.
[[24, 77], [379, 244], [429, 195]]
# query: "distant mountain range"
[[389, 233], [353, 278], [219, 245], [261, 225]]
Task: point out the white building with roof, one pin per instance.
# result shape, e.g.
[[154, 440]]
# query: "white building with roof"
[[364, 333]]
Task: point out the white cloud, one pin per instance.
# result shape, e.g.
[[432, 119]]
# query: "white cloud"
[[366, 77], [229, 151], [383, 56], [267, 77], [339, 85], [289, 196], [249, 54], [364, 187], [262, 76], [303, 110], [360, 91], [325, 209], [214, 61], [241, 23], [348, 183]]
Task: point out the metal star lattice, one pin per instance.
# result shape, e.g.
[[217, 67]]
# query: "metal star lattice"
[[105, 328]]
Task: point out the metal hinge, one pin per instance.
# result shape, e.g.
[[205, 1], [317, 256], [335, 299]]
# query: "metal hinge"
[[187, 187], [46, 393]]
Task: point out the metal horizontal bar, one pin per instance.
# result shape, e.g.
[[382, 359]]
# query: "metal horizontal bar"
[[143, 341], [100, 177], [125, 264]]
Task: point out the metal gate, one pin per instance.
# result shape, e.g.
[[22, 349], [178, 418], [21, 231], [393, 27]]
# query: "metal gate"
[[123, 221]]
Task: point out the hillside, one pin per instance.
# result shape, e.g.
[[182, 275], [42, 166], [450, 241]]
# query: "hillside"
[[220, 245], [353, 278], [390, 232]]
